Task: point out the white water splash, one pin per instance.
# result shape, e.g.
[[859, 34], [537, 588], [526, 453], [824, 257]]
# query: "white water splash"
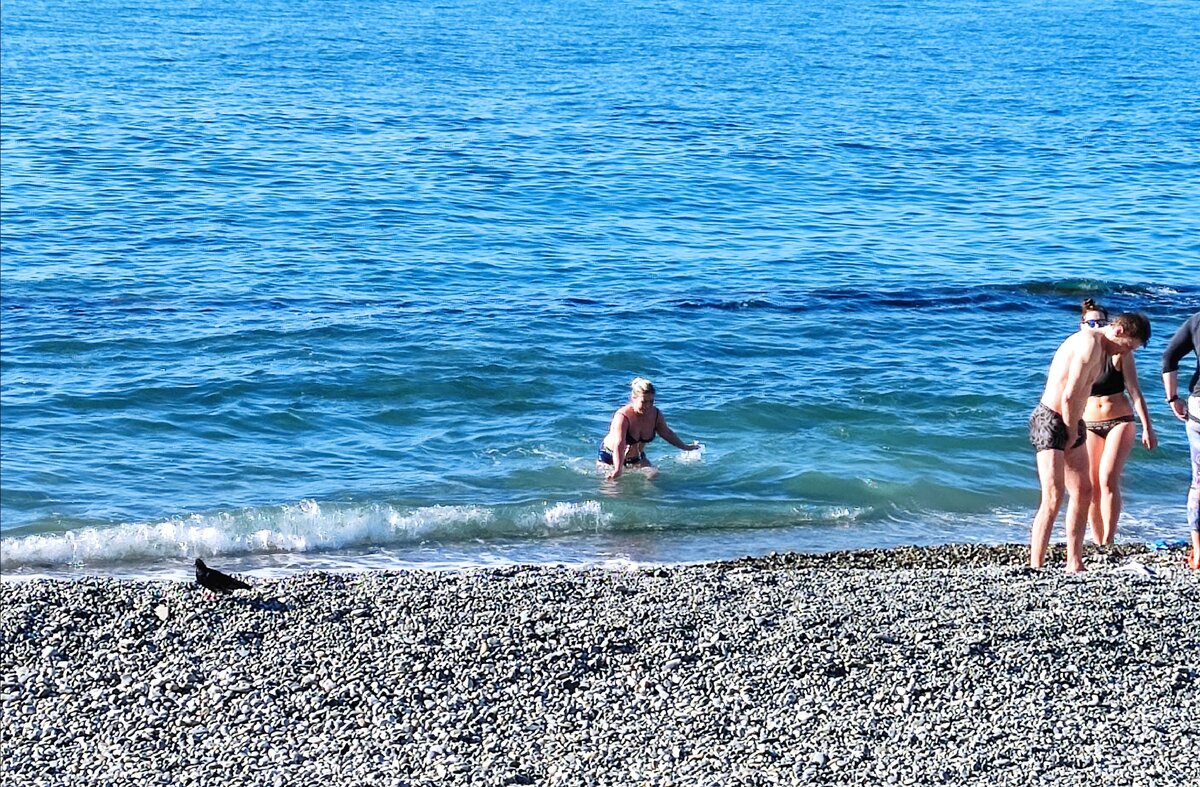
[[301, 527], [571, 517]]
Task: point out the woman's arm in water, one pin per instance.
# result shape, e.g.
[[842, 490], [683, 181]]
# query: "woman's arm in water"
[[1129, 370], [616, 438], [665, 432]]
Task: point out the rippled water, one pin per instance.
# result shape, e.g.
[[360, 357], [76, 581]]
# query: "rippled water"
[[303, 285]]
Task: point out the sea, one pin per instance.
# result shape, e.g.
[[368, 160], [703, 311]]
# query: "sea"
[[359, 285]]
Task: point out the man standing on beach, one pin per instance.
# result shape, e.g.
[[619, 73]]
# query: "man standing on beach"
[[1187, 409], [1057, 432]]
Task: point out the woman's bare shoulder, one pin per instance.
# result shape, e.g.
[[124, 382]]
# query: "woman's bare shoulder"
[[1123, 361]]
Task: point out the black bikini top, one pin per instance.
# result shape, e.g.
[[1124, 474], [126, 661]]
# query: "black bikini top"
[[1111, 380], [630, 439]]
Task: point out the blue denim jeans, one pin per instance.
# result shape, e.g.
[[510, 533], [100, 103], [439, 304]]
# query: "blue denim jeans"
[[1193, 434]]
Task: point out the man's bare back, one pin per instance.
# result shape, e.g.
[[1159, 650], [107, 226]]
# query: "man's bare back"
[[1076, 365]]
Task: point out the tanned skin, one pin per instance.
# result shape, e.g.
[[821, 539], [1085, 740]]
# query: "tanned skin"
[[1076, 365]]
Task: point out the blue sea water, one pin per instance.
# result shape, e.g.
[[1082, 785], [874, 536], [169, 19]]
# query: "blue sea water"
[[318, 284]]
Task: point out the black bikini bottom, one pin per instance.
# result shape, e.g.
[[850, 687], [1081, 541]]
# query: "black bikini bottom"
[[1102, 428], [607, 458]]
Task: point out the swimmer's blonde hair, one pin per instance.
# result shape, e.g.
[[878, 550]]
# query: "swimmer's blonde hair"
[[640, 385]]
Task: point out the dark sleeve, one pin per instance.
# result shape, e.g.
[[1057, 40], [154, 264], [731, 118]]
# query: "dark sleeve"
[[1182, 343]]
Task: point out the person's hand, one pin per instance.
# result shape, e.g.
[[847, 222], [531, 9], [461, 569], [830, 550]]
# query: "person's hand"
[[1149, 439], [692, 446], [1179, 407], [612, 474]]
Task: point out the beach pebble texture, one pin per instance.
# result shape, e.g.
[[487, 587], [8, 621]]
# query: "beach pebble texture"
[[949, 665]]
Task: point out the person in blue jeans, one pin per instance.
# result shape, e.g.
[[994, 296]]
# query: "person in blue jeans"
[[1187, 409]]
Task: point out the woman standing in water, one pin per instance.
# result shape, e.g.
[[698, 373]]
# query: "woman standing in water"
[[633, 427], [1109, 419]]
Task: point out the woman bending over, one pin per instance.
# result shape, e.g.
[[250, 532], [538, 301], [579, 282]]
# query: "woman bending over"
[[1109, 419], [633, 427]]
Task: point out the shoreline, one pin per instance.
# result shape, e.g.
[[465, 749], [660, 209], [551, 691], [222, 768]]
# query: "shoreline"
[[274, 567], [917, 665]]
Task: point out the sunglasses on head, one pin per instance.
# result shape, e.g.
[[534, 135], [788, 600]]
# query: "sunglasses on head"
[[1095, 323]]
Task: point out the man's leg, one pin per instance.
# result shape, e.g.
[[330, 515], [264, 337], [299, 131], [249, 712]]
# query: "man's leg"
[[1050, 467], [1079, 487]]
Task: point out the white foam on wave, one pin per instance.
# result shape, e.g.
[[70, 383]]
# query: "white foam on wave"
[[829, 514], [301, 527], [569, 517]]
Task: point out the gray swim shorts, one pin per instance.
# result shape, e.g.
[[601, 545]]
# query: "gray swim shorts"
[[1048, 430]]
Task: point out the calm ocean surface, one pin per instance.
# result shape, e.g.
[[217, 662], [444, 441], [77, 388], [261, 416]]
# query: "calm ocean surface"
[[302, 284]]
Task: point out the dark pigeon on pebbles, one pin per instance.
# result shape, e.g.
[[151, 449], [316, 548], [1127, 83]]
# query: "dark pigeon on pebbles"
[[216, 581]]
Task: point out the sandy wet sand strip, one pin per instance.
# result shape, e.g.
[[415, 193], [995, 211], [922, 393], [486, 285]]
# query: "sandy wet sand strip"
[[949, 665]]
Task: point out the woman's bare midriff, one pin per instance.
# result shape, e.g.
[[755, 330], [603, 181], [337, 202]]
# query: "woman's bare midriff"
[[1103, 408]]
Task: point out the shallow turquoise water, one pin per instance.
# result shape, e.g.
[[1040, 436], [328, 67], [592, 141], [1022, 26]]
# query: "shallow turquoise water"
[[303, 285]]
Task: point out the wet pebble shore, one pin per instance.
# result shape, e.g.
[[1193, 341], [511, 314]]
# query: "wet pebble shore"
[[947, 665]]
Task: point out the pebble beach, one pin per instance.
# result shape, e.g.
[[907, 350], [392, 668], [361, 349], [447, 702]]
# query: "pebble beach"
[[943, 665]]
